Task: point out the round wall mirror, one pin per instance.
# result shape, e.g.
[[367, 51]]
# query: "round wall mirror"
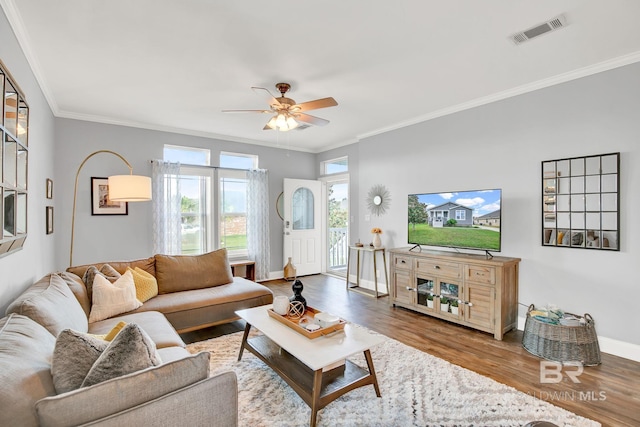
[[378, 199]]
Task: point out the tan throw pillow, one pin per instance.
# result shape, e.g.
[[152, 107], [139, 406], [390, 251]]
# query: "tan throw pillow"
[[146, 284], [73, 356], [185, 272], [111, 299], [130, 351]]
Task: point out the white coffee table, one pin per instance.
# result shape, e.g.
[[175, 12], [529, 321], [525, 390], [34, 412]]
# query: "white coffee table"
[[313, 368]]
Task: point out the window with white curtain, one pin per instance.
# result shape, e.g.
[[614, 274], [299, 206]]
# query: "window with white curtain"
[[212, 216]]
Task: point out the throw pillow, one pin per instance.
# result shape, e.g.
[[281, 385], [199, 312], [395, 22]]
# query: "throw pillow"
[[111, 299], [109, 336], [106, 271], [186, 272], [130, 351], [73, 356], [146, 284]]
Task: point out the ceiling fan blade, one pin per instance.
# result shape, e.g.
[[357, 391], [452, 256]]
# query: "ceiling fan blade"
[[246, 111], [312, 120], [264, 92], [318, 103]]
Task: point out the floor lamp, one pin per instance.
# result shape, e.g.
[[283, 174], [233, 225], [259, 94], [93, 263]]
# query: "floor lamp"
[[122, 188]]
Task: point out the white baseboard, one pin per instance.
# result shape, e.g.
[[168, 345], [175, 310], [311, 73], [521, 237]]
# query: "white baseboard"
[[607, 345]]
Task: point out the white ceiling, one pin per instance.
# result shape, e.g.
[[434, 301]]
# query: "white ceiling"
[[175, 64]]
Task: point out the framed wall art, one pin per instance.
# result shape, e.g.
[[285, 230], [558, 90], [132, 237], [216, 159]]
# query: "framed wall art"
[[49, 219], [49, 189], [100, 202], [581, 202]]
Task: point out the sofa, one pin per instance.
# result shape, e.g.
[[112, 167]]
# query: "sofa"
[[176, 390]]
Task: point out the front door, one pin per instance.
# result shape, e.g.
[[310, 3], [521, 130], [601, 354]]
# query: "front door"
[[303, 225]]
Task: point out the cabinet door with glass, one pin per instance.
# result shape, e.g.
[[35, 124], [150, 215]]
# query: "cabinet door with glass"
[[14, 120], [441, 296], [580, 202]]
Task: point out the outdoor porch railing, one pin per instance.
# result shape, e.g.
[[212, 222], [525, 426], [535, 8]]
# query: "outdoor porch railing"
[[338, 248]]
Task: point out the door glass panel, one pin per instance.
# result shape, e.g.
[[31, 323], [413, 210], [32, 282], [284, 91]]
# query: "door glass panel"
[[338, 209], [426, 290], [302, 209], [449, 290]]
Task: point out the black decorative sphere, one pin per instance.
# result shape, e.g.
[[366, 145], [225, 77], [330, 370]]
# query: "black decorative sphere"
[[297, 293]]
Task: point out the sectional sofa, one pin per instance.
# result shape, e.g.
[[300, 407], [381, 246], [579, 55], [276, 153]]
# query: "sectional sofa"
[[193, 292]]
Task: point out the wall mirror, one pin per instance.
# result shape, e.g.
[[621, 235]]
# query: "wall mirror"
[[378, 199], [14, 152], [580, 202]]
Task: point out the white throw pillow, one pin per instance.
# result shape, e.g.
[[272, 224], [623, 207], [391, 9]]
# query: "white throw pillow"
[[111, 299]]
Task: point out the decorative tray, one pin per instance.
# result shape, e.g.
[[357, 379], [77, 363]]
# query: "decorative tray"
[[307, 317]]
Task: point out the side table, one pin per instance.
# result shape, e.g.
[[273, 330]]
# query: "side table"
[[248, 266], [373, 251]]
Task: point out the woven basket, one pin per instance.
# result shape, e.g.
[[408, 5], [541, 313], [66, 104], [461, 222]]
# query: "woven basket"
[[562, 343]]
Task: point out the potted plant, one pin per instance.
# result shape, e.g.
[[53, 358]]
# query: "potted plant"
[[454, 306], [444, 304], [430, 300]]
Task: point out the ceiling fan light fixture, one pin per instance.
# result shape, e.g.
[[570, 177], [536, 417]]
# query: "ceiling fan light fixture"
[[292, 123]]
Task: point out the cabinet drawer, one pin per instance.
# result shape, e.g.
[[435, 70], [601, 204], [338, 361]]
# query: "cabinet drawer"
[[403, 262], [480, 274], [445, 269]]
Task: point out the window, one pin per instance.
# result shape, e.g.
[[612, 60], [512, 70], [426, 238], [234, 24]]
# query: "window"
[[461, 214], [238, 161], [187, 155], [232, 213], [196, 197], [340, 165], [205, 224]]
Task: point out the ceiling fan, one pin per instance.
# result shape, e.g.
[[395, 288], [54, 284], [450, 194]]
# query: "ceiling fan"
[[286, 113]]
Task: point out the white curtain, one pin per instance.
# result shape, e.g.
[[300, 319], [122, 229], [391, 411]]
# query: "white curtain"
[[258, 221], [166, 208]]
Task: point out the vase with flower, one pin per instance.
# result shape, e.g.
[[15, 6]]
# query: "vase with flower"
[[377, 242]]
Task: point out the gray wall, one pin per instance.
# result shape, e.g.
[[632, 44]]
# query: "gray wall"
[[501, 145], [21, 268], [103, 238]]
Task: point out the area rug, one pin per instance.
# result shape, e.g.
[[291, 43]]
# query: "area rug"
[[417, 390]]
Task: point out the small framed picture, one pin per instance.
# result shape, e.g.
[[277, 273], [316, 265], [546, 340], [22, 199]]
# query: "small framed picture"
[[49, 218], [49, 189], [100, 202]]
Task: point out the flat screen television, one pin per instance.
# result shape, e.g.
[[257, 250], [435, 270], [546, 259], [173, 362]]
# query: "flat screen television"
[[460, 219]]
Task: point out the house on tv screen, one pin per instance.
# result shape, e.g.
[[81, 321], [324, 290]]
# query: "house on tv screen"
[[491, 219], [439, 215]]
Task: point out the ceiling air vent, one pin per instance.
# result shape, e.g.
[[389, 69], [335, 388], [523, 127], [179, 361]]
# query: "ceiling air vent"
[[551, 25]]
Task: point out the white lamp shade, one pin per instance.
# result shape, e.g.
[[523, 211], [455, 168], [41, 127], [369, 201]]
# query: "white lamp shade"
[[129, 188]]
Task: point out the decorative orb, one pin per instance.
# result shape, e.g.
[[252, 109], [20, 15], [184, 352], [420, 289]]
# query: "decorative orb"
[[296, 309]]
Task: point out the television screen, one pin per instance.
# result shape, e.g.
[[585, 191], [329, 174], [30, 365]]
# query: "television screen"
[[462, 219]]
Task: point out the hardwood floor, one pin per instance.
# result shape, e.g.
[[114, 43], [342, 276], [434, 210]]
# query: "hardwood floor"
[[608, 393]]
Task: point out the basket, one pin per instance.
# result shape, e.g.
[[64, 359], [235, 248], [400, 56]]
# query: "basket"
[[562, 343]]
